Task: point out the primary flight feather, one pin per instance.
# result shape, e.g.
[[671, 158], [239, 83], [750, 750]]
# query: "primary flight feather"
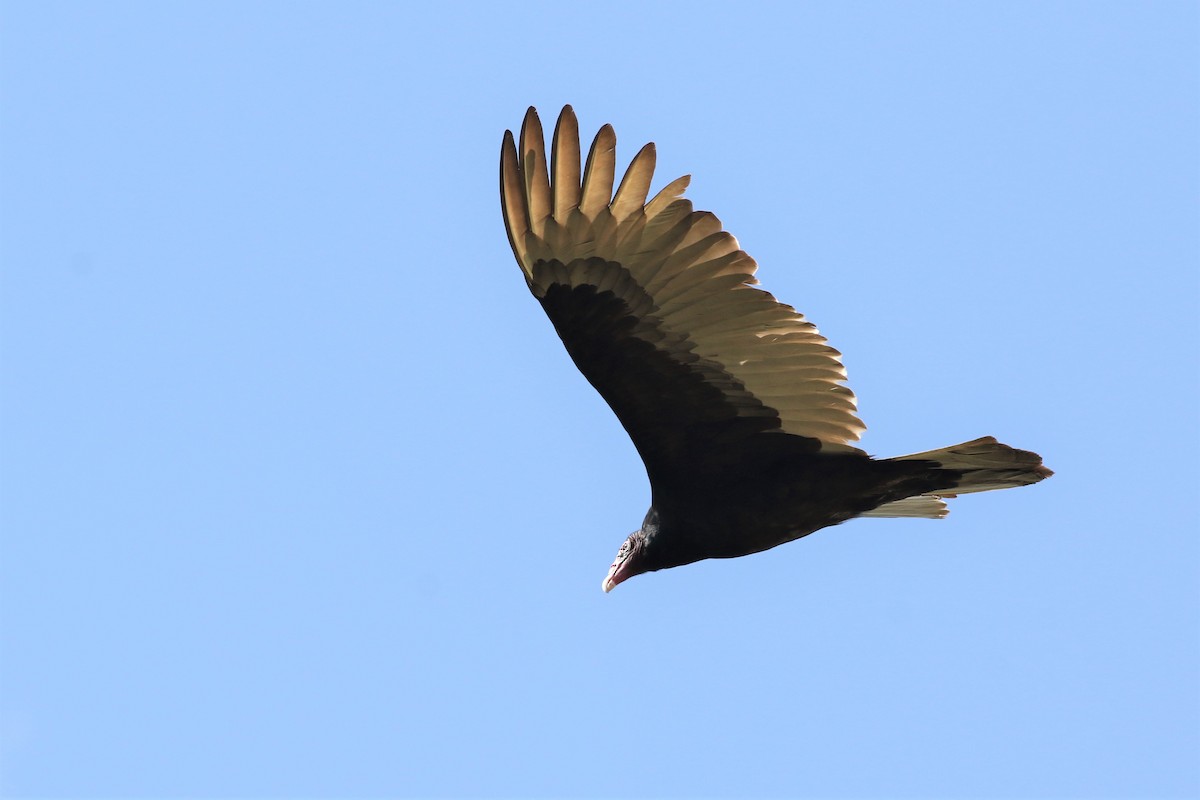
[[734, 401]]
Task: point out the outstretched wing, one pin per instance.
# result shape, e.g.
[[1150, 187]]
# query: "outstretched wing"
[[656, 305]]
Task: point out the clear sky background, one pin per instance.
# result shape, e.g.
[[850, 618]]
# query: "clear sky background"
[[302, 496]]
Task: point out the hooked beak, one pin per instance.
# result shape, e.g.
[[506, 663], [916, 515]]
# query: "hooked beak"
[[618, 572]]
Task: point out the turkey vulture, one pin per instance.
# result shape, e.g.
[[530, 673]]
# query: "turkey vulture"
[[733, 400]]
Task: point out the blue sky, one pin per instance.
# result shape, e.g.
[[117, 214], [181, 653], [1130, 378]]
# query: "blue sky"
[[301, 496]]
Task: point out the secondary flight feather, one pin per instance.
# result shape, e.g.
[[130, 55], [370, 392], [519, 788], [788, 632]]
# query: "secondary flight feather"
[[735, 402]]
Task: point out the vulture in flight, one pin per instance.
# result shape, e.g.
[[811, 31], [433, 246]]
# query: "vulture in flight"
[[733, 400]]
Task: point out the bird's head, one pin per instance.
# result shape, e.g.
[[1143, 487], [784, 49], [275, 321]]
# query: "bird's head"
[[635, 556], [629, 561]]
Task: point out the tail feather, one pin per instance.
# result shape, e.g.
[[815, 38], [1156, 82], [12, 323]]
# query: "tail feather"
[[924, 506], [985, 465]]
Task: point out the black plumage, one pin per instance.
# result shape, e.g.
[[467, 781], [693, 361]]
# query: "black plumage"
[[734, 401]]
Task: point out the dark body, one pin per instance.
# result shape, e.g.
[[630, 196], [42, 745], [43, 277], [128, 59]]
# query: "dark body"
[[723, 484]]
